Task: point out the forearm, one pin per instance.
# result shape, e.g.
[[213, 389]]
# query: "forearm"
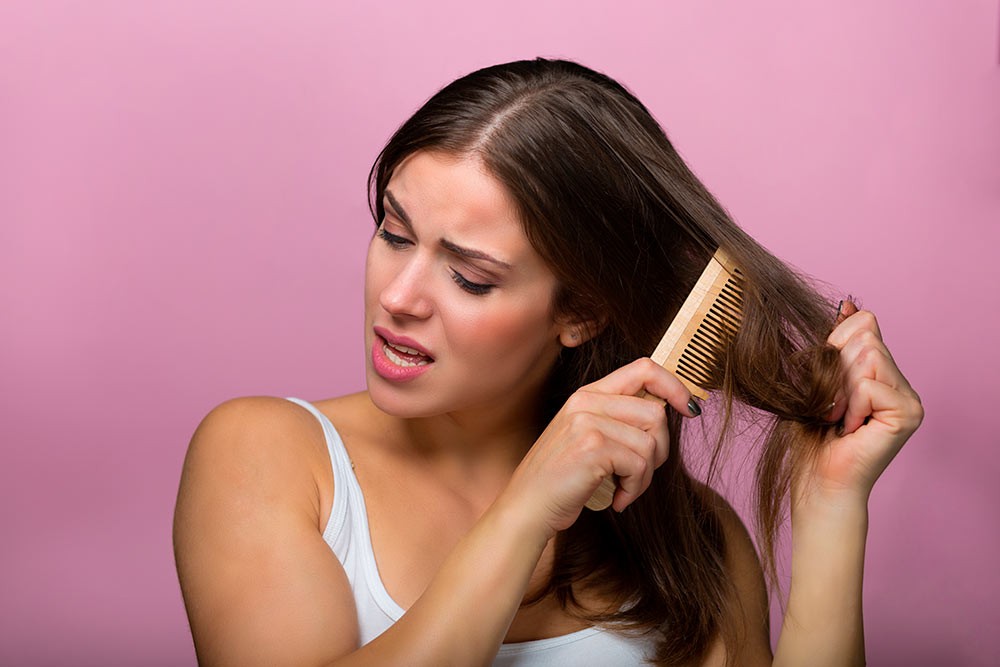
[[463, 615], [823, 622]]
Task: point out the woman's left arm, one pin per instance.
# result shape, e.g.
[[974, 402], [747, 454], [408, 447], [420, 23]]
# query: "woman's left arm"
[[823, 619]]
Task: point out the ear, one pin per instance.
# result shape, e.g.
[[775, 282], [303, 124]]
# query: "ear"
[[574, 334]]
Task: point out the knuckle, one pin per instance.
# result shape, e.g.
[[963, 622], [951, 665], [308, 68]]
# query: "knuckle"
[[590, 441], [648, 445], [577, 401], [641, 467], [868, 338], [870, 352], [866, 384], [654, 413], [867, 318], [647, 365], [582, 422], [899, 428], [580, 428]]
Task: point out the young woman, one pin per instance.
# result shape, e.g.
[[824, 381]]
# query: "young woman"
[[536, 234]]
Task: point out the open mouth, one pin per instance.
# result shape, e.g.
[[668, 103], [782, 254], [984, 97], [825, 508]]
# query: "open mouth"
[[403, 356]]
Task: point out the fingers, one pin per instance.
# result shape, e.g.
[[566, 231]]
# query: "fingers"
[[865, 355], [644, 415], [635, 472], [900, 413], [602, 431], [634, 452], [614, 397], [614, 447], [849, 324], [845, 309], [646, 375], [868, 368]]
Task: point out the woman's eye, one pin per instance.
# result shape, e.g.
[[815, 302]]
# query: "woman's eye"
[[392, 239], [469, 286]]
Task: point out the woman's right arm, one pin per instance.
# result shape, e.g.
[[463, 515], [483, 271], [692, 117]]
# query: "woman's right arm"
[[261, 586]]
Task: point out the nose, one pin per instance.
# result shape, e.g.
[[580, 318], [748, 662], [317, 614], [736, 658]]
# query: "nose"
[[406, 294]]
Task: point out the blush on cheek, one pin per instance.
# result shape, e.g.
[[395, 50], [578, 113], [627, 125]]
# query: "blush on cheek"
[[505, 335]]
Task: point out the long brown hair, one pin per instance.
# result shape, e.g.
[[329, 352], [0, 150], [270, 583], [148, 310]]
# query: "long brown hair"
[[623, 223]]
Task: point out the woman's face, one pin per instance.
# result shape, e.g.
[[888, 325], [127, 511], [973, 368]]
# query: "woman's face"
[[458, 305]]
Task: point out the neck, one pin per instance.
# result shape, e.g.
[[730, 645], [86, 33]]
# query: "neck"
[[476, 436], [473, 451]]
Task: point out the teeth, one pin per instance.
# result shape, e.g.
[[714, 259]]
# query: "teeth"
[[406, 350], [399, 361]]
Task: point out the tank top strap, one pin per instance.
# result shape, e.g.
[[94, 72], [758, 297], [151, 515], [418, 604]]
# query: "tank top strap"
[[349, 536], [347, 491]]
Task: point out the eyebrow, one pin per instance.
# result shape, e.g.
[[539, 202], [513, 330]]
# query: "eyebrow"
[[472, 254], [397, 209], [445, 243]]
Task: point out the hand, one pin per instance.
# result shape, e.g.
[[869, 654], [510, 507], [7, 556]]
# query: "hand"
[[879, 408], [603, 429]]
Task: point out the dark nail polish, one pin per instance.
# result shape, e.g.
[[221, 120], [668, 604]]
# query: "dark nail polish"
[[694, 408], [840, 308]]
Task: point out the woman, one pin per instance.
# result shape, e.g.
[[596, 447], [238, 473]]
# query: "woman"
[[536, 234]]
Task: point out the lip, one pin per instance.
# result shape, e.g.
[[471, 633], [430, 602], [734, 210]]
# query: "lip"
[[394, 339], [385, 368]]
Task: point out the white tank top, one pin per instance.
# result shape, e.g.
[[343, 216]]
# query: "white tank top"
[[348, 536]]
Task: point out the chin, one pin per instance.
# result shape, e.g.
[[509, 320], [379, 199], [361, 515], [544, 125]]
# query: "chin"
[[406, 404]]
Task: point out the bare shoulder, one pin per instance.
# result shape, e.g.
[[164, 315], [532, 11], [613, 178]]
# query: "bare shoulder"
[[249, 555], [254, 419], [269, 441], [741, 554], [751, 604]]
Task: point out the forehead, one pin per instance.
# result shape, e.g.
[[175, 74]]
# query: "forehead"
[[454, 197]]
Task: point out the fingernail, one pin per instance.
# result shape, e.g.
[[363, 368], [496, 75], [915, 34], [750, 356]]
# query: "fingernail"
[[693, 407], [840, 307]]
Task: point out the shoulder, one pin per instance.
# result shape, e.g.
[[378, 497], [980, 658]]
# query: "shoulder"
[[248, 548], [250, 415], [255, 427], [276, 450], [741, 554], [749, 603], [256, 448]]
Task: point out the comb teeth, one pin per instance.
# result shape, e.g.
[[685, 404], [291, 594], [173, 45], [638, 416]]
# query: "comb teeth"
[[704, 326], [698, 360]]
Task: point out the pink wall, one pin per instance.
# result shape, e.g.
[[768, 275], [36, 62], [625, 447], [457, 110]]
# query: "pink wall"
[[183, 220]]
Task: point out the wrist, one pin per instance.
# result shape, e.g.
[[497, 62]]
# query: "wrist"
[[515, 519], [826, 507], [811, 494]]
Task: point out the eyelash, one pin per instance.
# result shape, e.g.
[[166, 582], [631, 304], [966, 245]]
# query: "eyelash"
[[398, 242], [472, 288], [390, 238]]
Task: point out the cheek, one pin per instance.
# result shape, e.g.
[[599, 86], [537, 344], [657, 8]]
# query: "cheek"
[[517, 329]]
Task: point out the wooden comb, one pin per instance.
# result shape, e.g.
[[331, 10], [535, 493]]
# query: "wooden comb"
[[690, 348]]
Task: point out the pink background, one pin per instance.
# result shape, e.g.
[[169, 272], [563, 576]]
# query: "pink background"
[[183, 220]]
